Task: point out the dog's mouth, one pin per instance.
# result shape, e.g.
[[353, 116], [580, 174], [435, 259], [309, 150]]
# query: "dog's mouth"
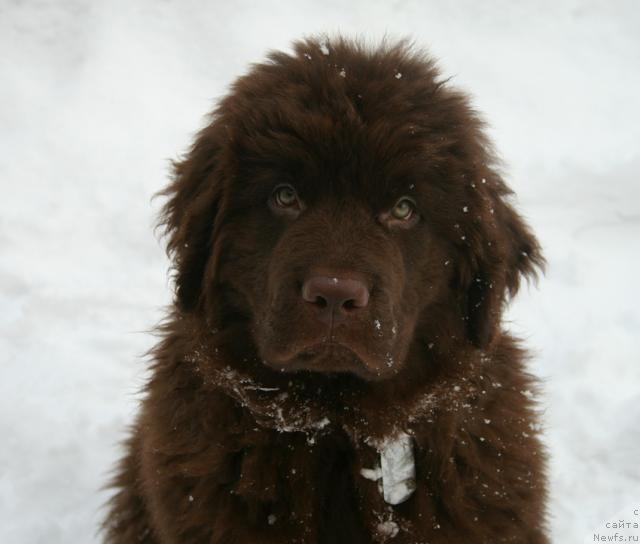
[[332, 357]]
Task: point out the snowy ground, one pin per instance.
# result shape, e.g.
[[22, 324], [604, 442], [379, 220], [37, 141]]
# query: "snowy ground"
[[96, 96]]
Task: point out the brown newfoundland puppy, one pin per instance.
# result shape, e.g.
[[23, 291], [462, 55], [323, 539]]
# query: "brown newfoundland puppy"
[[334, 368]]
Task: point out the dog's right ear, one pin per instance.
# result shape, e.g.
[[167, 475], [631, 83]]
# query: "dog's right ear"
[[190, 217]]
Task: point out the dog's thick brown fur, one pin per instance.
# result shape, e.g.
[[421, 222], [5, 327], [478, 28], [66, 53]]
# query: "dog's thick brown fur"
[[259, 416]]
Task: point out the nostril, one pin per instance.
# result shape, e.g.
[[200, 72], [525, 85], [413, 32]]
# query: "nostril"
[[349, 304], [320, 302]]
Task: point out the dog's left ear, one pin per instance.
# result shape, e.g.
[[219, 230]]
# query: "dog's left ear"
[[192, 214], [505, 251]]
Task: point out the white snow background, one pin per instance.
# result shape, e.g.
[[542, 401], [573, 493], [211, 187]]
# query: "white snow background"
[[95, 97]]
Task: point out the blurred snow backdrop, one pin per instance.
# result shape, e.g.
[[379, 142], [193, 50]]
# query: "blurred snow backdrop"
[[96, 96]]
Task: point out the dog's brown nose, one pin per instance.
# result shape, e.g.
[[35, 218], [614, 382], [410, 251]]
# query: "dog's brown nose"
[[335, 298]]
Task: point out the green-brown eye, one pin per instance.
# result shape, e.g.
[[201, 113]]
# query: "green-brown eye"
[[285, 196], [403, 210], [284, 199]]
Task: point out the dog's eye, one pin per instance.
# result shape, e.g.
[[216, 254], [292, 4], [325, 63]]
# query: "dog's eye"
[[404, 214], [284, 197], [403, 210]]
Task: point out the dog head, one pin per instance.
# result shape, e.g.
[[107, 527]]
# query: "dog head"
[[345, 204]]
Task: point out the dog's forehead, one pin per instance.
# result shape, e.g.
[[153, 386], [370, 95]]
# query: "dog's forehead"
[[322, 151], [343, 159], [370, 124]]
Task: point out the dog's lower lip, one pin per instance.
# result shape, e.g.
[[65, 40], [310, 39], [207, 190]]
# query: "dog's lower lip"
[[309, 353], [328, 355], [321, 347]]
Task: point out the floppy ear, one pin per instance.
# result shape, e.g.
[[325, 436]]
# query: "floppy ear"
[[190, 216], [505, 252]]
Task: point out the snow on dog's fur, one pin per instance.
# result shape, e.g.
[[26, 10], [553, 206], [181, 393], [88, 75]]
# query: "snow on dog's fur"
[[334, 369]]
